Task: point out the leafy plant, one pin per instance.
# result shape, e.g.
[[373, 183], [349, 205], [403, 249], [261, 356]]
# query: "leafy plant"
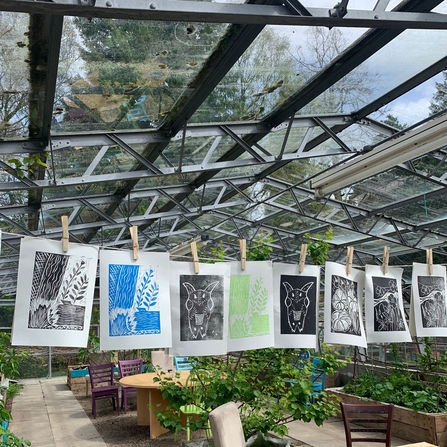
[[27, 164], [10, 357], [318, 246], [401, 388], [255, 381], [92, 347], [259, 249]]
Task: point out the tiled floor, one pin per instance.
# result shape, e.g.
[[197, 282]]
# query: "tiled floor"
[[48, 414]]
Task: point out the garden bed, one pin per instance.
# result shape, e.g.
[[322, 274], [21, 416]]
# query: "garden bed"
[[408, 424]]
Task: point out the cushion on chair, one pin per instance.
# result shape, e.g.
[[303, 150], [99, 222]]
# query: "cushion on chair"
[[226, 426]]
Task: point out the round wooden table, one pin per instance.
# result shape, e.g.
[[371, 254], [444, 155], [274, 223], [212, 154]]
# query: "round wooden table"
[[149, 398]]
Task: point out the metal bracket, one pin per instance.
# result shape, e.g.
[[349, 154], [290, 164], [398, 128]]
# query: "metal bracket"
[[339, 10]]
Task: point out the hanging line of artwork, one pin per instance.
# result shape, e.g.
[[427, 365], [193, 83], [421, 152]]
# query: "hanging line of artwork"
[[54, 293], [296, 297], [135, 300], [384, 309], [343, 319], [199, 303], [428, 311], [250, 319]]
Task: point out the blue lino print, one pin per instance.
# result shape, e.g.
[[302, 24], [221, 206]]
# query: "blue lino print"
[[133, 301]]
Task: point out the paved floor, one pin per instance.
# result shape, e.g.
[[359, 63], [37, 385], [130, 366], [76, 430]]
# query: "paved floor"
[[48, 414]]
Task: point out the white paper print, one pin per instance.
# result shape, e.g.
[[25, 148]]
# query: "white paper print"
[[296, 297], [199, 304], [343, 316], [384, 309], [429, 300], [135, 300], [250, 318], [54, 293]]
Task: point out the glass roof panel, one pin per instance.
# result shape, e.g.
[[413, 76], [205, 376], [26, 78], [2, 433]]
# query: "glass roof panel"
[[411, 107], [424, 210], [108, 85], [15, 89], [261, 80], [387, 188], [396, 62]]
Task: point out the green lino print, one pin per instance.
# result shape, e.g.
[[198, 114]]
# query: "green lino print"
[[248, 314]]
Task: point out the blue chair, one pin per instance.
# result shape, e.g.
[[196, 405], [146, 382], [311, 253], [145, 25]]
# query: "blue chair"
[[182, 363], [318, 379]]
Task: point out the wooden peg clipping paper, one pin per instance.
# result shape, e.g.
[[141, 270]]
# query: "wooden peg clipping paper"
[[195, 256], [302, 257], [243, 247], [64, 221], [349, 256], [429, 252], [134, 235], [386, 259]]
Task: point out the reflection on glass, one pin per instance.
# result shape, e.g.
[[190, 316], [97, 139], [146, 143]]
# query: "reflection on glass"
[[14, 75], [124, 74]]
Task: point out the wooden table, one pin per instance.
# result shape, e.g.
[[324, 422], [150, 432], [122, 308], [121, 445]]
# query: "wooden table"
[[148, 393]]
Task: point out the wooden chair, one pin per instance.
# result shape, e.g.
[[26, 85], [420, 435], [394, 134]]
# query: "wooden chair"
[[103, 386], [226, 426], [369, 419], [129, 368]]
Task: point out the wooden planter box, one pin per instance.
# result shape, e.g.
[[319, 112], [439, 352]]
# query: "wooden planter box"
[[408, 424], [77, 378]]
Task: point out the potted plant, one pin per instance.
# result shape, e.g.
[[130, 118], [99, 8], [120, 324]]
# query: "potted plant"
[[255, 381]]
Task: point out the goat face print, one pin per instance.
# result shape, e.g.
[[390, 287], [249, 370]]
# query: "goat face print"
[[298, 304], [201, 301]]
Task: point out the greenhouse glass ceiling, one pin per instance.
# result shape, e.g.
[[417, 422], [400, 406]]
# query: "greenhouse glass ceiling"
[[208, 121]]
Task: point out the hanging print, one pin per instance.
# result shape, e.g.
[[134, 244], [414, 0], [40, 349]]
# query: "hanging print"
[[135, 300], [199, 308], [343, 318], [384, 310], [54, 293], [250, 318], [296, 305], [428, 307]]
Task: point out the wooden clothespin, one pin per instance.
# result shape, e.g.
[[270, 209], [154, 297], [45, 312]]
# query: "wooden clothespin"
[[134, 235], [429, 253], [243, 247], [195, 256], [302, 257], [349, 256], [64, 221], [386, 259]]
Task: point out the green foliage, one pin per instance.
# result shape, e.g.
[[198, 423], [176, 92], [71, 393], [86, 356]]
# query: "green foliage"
[[92, 347], [259, 249], [11, 440], [28, 164], [439, 99], [318, 246], [14, 390], [212, 253], [10, 357], [400, 388], [393, 121], [255, 381]]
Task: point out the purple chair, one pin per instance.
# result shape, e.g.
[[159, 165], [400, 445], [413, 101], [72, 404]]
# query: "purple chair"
[[103, 386], [129, 368]]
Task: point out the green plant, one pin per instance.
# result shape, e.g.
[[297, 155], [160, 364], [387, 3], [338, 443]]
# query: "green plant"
[[400, 387], [259, 249], [14, 390], [318, 246], [92, 347], [10, 357], [212, 253], [254, 380], [29, 164]]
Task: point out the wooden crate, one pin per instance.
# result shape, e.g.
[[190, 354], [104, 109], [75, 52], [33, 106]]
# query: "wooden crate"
[[77, 380]]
